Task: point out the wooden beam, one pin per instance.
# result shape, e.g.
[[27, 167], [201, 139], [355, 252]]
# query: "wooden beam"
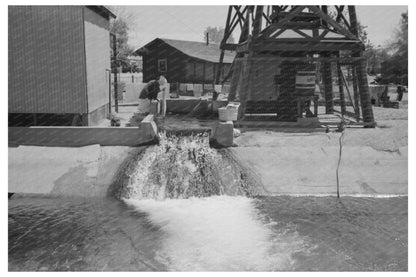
[[240, 14], [267, 19], [257, 21], [333, 23], [303, 25], [327, 80], [356, 94], [344, 81], [230, 46], [242, 48], [301, 33], [353, 20], [307, 46], [325, 11], [339, 9], [341, 90], [273, 27], [278, 33], [227, 31], [366, 108]]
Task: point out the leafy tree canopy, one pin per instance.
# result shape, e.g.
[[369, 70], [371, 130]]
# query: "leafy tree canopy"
[[216, 34]]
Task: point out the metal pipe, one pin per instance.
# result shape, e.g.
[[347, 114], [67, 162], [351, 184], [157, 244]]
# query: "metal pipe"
[[109, 91]]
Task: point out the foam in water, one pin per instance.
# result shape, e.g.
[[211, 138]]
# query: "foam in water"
[[183, 167], [219, 233], [207, 223]]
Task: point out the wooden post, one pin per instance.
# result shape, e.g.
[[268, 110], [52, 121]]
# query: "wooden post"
[[246, 85], [257, 21], [235, 79], [366, 107], [356, 94], [341, 90], [115, 74], [353, 20], [109, 93], [223, 42], [327, 79]]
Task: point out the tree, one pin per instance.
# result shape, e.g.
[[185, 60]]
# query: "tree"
[[216, 34], [120, 27], [400, 43], [395, 69]]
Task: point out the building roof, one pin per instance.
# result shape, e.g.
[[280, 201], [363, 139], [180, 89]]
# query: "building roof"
[[103, 10], [199, 50]]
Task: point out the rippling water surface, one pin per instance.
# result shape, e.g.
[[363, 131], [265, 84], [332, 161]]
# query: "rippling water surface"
[[182, 206], [213, 233]]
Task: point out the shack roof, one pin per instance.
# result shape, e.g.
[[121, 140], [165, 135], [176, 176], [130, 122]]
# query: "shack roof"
[[199, 50]]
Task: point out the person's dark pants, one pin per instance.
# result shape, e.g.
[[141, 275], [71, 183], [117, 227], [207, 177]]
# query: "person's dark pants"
[[400, 96]]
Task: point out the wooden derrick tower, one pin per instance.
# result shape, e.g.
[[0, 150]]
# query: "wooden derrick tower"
[[277, 44]]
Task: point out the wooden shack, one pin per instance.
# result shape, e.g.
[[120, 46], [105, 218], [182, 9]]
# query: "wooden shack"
[[58, 61], [182, 61]]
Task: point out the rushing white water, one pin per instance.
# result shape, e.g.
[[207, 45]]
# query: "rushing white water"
[[219, 233], [197, 198]]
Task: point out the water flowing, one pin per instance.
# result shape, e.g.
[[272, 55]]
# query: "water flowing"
[[201, 199], [183, 167]]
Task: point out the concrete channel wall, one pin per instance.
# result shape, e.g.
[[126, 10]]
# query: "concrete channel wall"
[[82, 136], [88, 171], [84, 161]]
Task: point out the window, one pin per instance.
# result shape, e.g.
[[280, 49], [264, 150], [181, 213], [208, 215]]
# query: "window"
[[162, 65]]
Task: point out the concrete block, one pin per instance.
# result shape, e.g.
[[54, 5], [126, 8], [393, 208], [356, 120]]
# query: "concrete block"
[[64, 136], [311, 122], [154, 107], [148, 128], [223, 133]]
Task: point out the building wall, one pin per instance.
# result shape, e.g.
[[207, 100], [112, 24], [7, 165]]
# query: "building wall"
[[180, 67], [263, 80], [46, 60], [175, 63], [198, 71], [97, 52]]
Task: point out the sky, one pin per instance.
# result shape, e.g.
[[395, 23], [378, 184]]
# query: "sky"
[[189, 22]]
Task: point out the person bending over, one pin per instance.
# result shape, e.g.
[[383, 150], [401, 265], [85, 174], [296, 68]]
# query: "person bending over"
[[150, 92]]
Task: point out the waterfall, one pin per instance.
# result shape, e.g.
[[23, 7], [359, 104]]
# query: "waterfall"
[[208, 219], [181, 167]]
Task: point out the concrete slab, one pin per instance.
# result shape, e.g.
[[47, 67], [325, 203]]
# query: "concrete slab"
[[79, 136], [305, 164], [36, 169], [85, 172], [223, 133]]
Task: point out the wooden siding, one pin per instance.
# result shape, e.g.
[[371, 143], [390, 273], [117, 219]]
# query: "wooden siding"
[[263, 80], [180, 67], [46, 60], [176, 62], [97, 50], [197, 71]]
